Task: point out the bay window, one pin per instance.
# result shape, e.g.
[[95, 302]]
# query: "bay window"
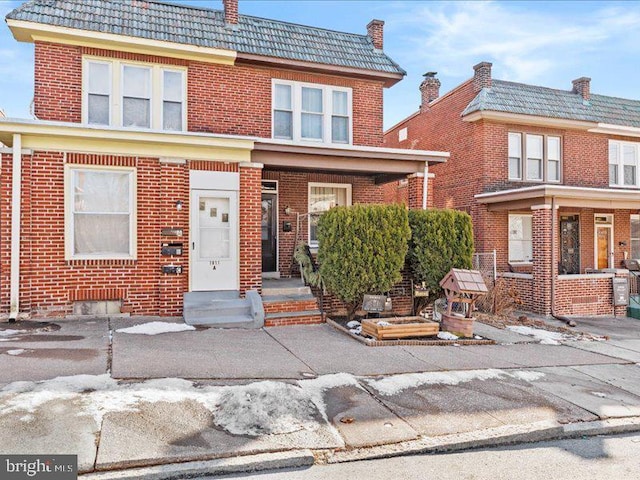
[[520, 237], [134, 95], [534, 158], [322, 197], [100, 213], [311, 112]]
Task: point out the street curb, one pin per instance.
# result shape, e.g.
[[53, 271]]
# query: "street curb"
[[223, 466], [495, 437]]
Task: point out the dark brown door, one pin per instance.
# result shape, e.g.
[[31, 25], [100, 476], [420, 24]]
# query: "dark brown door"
[[269, 233], [569, 244]]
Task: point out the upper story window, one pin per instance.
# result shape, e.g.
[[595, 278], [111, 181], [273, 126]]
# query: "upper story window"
[[129, 94], [311, 112], [534, 158], [623, 164]]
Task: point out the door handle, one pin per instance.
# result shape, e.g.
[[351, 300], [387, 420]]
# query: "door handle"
[[193, 245]]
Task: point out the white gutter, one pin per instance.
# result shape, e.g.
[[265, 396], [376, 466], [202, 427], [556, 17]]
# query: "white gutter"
[[14, 298], [425, 182]]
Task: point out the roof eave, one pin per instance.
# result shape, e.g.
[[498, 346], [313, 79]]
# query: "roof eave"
[[534, 120], [389, 78], [621, 130]]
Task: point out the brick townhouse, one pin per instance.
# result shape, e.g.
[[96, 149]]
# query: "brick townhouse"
[[179, 151], [550, 177]]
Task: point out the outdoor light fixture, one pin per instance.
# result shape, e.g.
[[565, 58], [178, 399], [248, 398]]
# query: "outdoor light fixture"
[[179, 205], [288, 210]]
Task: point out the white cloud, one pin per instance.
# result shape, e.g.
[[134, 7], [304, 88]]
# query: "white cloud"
[[524, 41]]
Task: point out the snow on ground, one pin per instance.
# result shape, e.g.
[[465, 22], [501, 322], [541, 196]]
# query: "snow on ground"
[[447, 336], [526, 375], [546, 337], [155, 328], [397, 383], [353, 324], [9, 332], [17, 351]]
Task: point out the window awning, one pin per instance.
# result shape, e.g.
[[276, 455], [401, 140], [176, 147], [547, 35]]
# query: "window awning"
[[565, 196]]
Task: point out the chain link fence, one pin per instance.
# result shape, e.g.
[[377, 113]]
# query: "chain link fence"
[[485, 263]]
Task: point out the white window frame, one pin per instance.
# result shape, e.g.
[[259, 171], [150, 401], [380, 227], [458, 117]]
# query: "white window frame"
[[524, 175], [519, 260], [620, 163], [634, 217], [152, 109], [327, 111], [116, 98], [69, 170], [346, 186]]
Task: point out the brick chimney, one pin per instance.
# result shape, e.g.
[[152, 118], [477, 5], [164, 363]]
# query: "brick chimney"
[[482, 76], [375, 31], [230, 12], [430, 89], [582, 86]]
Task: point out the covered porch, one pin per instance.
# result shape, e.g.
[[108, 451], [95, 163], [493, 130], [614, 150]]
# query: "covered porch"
[[563, 246]]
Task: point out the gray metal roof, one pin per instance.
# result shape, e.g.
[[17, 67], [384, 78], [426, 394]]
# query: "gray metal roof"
[[206, 28], [525, 99]]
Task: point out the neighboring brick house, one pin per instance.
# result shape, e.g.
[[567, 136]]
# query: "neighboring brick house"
[[183, 137], [538, 167]]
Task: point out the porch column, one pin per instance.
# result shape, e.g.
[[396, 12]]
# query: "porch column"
[[543, 266], [415, 190], [250, 223]]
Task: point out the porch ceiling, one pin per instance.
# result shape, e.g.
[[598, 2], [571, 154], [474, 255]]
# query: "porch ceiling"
[[386, 164], [565, 196]]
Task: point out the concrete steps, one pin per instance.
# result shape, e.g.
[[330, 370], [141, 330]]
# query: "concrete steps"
[[224, 309]]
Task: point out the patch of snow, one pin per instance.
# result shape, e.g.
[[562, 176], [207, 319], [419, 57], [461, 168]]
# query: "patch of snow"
[[353, 324], [382, 323], [265, 408], [9, 332], [397, 383], [477, 337], [447, 336], [156, 328], [527, 375], [357, 330], [17, 351], [599, 394], [544, 336]]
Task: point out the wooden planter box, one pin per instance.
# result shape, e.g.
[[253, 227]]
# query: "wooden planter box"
[[400, 327], [458, 325]]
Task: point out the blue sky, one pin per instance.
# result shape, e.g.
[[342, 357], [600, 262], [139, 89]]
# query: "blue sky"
[[543, 43]]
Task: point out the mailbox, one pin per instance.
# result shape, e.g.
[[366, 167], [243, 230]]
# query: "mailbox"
[[172, 269], [171, 249], [620, 291]]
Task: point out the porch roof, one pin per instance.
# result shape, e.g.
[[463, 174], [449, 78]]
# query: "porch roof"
[[564, 195], [386, 164]]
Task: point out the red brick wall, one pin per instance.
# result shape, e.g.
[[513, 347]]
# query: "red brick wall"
[[221, 99], [50, 284], [293, 192]]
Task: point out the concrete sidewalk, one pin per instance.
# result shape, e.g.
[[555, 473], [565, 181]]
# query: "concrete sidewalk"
[[293, 395]]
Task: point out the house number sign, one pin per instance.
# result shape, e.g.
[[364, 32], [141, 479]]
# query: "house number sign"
[[214, 264]]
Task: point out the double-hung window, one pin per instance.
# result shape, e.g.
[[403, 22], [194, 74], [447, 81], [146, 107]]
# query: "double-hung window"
[[635, 236], [534, 158], [623, 163], [311, 112], [100, 212], [520, 238], [134, 95], [322, 197]]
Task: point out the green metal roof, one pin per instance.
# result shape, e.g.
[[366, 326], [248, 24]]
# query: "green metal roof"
[[206, 28], [525, 99]]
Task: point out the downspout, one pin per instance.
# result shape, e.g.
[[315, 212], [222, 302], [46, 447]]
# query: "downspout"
[[14, 298], [425, 181], [562, 318]]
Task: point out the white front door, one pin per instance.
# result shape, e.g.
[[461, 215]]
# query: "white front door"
[[214, 240]]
